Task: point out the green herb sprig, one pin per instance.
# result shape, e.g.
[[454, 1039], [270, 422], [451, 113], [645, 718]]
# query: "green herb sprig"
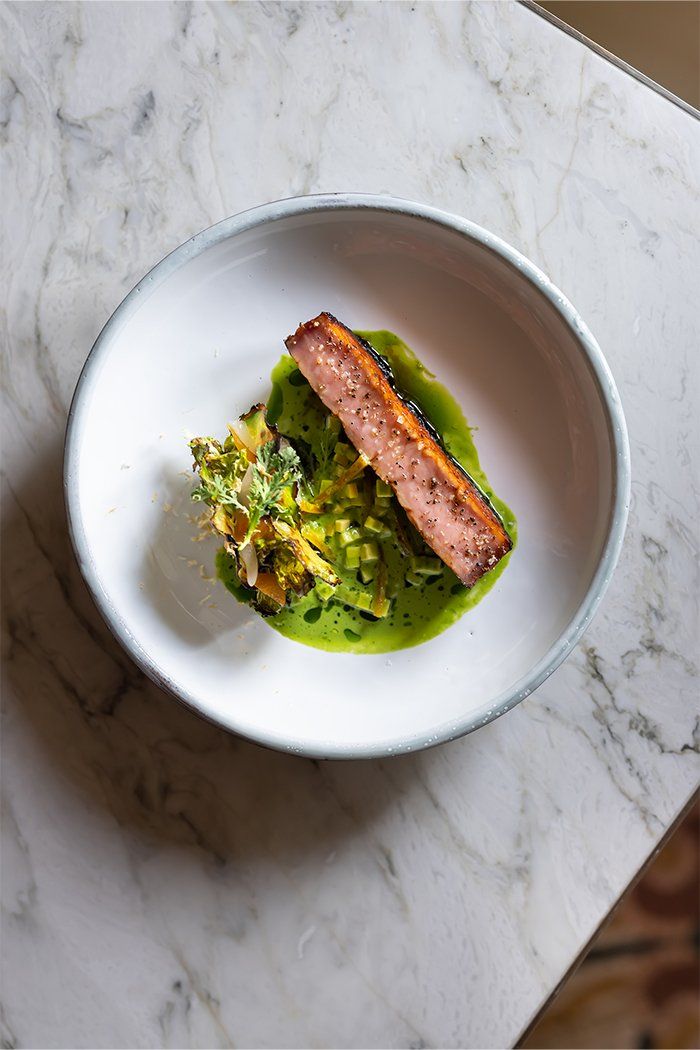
[[274, 470]]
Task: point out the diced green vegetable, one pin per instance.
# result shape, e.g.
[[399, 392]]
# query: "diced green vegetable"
[[354, 596], [324, 590], [373, 524], [363, 600], [341, 524], [414, 579], [378, 512], [384, 491], [348, 536], [368, 571], [352, 557], [351, 494], [426, 566], [369, 552]]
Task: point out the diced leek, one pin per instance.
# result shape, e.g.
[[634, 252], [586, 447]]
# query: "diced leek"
[[368, 572], [349, 536], [354, 596], [378, 512], [352, 557], [369, 552], [341, 524], [324, 590], [426, 566], [351, 493], [384, 491], [414, 579], [373, 524]]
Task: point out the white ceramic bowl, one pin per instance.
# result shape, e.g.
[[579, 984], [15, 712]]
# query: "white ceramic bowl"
[[192, 346]]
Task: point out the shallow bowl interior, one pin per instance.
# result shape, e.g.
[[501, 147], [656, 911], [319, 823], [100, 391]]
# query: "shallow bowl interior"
[[193, 347]]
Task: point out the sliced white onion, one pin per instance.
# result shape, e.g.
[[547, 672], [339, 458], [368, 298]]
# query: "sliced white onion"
[[250, 561], [242, 432], [244, 490]]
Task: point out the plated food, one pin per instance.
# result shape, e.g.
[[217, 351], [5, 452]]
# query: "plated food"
[[185, 351], [355, 383], [352, 507]]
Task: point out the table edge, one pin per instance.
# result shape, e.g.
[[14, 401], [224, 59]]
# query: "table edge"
[[536, 9], [647, 81], [580, 957]]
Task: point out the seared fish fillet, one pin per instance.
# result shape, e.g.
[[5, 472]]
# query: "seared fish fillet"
[[448, 509]]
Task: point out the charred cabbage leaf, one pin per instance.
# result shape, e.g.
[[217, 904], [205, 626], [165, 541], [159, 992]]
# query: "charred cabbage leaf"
[[250, 481]]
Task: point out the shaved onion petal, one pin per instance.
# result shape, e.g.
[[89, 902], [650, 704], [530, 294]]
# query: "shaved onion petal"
[[241, 432], [244, 490], [250, 561]]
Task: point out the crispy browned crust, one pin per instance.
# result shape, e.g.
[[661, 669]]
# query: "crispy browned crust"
[[336, 333]]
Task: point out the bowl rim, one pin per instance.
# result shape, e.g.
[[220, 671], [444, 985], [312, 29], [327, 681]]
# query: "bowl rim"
[[308, 205]]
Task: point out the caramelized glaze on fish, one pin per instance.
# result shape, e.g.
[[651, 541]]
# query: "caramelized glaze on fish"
[[445, 505]]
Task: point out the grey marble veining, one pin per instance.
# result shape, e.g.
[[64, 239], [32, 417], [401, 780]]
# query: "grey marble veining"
[[165, 884]]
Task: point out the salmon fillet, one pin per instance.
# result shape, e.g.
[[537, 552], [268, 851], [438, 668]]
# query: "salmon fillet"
[[445, 505]]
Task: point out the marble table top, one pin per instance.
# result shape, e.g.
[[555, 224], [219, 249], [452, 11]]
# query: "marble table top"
[[167, 885]]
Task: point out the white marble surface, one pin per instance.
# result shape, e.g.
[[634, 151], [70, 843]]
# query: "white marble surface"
[[165, 884]]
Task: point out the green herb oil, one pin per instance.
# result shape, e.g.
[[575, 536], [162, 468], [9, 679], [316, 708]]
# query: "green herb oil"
[[421, 610]]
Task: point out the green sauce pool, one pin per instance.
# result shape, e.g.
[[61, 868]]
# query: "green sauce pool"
[[417, 613]]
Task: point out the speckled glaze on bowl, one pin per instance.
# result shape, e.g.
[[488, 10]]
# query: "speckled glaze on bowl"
[[192, 346]]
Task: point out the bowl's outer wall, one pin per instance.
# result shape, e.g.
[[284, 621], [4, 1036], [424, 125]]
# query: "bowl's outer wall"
[[307, 208]]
